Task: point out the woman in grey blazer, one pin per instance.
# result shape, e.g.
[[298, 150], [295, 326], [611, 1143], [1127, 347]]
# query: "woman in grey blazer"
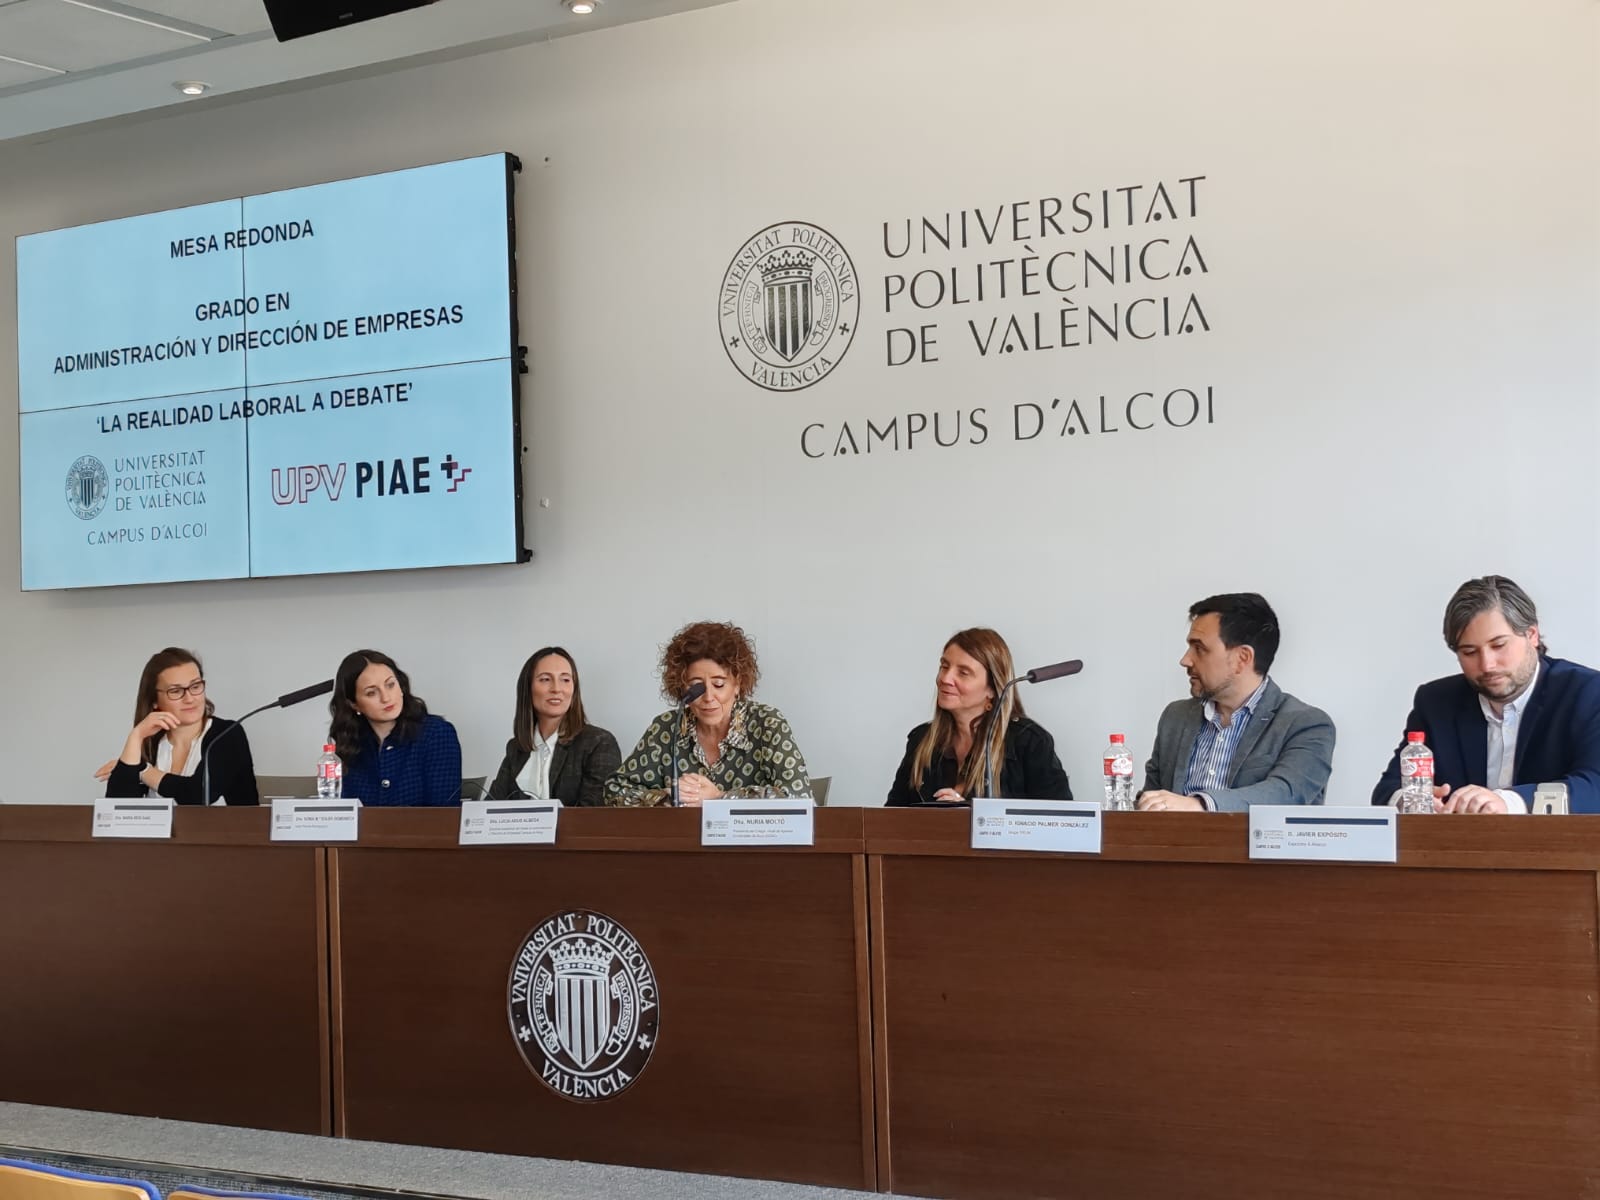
[[554, 752]]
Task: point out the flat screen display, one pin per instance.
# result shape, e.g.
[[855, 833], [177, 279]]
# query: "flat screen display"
[[308, 381]]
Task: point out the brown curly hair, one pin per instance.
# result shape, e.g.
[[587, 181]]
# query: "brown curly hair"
[[722, 642]]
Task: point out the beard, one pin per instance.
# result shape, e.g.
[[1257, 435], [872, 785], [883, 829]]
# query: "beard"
[[1504, 686]]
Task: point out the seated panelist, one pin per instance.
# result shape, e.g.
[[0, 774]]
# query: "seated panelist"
[[1512, 719], [1239, 739], [554, 753], [394, 751], [173, 727], [944, 759], [725, 743]]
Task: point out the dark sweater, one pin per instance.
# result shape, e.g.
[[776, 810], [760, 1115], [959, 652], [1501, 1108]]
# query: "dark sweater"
[[1031, 770], [233, 773]]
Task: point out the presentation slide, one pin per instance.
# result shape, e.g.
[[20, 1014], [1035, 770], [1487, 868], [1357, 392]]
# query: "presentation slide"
[[308, 381]]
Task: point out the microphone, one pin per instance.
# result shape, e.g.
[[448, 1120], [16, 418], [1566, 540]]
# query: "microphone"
[[1038, 675], [326, 686], [1054, 671], [695, 691], [283, 701]]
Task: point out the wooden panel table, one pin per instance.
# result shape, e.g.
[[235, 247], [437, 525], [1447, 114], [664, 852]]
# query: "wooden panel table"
[[183, 979], [762, 1063], [1173, 1020]]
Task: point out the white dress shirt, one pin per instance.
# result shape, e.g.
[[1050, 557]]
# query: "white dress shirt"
[[534, 778], [1503, 731]]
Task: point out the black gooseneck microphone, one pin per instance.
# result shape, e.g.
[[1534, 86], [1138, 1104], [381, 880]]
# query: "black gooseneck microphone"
[[695, 691], [1038, 675], [283, 701]]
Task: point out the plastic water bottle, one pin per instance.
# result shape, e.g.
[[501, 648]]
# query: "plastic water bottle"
[[1416, 776], [1119, 774], [330, 774]]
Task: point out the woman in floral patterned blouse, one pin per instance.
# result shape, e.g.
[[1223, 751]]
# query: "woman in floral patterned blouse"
[[726, 744]]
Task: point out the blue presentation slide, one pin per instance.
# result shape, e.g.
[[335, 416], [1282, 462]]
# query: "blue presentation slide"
[[149, 505], [408, 466], [308, 381]]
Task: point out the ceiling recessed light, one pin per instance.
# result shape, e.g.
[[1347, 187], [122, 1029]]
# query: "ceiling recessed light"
[[192, 87], [582, 7]]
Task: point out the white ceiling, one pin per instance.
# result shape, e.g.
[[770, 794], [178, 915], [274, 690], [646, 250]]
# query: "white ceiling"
[[65, 63]]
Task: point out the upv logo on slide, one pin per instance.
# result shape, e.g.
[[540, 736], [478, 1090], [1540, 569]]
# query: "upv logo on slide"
[[373, 479]]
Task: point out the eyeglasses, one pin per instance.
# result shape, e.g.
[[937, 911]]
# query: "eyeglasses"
[[178, 691]]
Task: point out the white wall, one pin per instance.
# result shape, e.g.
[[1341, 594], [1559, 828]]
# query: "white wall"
[[1399, 220]]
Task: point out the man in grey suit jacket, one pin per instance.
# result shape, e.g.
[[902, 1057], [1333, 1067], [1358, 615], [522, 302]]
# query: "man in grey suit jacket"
[[1239, 739]]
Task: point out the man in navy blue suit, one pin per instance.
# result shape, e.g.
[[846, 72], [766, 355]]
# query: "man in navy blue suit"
[[1514, 718]]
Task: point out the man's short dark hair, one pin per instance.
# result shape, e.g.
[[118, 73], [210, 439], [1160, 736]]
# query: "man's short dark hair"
[[1489, 593], [1243, 619]]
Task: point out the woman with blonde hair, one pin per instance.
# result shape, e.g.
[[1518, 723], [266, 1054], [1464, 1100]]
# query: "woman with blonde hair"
[[945, 757]]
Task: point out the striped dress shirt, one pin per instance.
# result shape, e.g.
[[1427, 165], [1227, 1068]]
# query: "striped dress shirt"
[[1211, 757]]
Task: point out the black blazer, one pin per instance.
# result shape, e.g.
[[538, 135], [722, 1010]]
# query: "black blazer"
[[578, 769], [233, 773], [1031, 770]]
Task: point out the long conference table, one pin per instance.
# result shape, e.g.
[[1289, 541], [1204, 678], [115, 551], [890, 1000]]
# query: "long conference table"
[[887, 1009]]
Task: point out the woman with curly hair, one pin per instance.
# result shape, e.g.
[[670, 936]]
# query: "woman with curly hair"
[[725, 743]]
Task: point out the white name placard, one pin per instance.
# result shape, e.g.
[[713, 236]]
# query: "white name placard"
[[133, 818], [785, 822], [1311, 833], [508, 822], [314, 820], [1053, 826]]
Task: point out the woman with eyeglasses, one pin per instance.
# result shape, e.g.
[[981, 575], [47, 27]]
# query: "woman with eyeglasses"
[[174, 727]]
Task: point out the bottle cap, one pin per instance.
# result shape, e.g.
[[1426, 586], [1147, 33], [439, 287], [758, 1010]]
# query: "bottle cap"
[[327, 748], [1414, 736], [1116, 738]]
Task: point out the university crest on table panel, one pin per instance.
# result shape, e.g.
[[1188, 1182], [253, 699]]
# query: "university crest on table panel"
[[583, 1005]]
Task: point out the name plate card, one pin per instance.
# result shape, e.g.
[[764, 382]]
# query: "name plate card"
[[1310, 833], [509, 822], [314, 820], [133, 818], [788, 821], [1051, 826]]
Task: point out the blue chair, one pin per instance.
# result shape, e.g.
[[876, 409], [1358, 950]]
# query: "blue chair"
[[200, 1193], [21, 1180]]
